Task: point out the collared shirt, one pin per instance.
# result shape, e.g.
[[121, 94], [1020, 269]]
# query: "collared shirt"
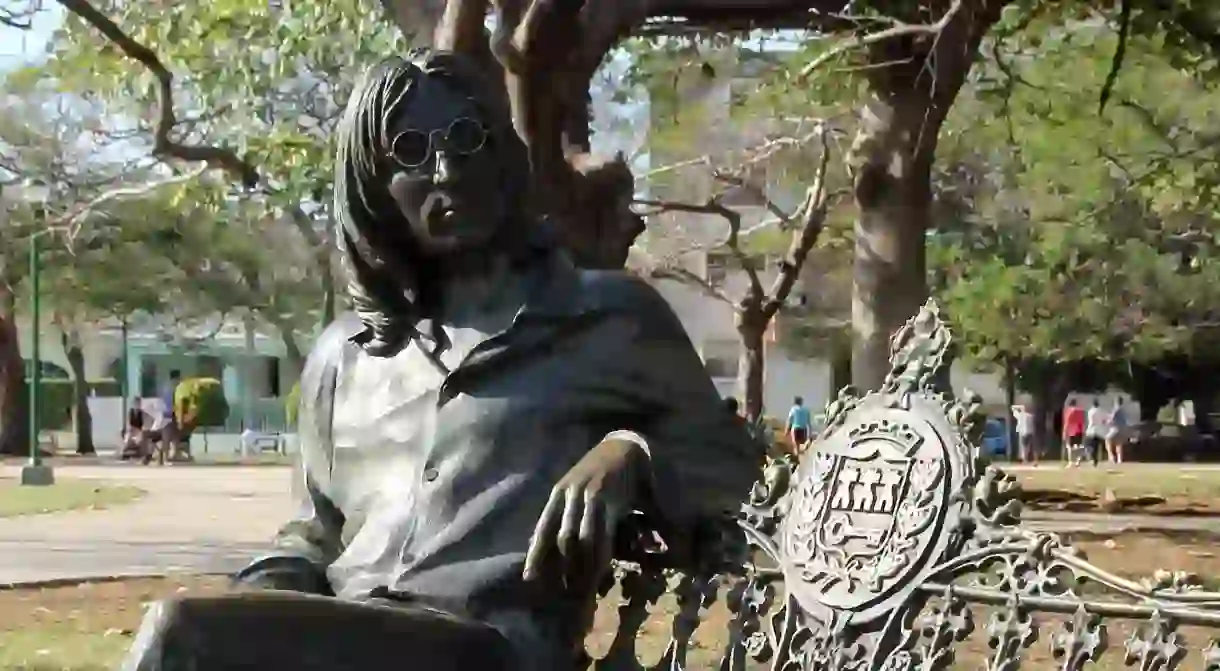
[[430, 484]]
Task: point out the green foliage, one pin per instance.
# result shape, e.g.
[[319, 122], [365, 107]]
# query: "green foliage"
[[266, 79], [1065, 235], [200, 401], [57, 400], [292, 405]]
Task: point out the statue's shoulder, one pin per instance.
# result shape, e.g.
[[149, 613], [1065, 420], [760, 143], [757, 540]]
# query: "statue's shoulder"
[[332, 345], [620, 291]]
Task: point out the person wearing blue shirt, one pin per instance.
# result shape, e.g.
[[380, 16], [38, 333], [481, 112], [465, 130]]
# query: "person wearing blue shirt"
[[799, 423]]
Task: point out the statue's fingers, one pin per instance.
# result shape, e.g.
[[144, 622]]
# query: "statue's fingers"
[[573, 510], [591, 521], [544, 535], [612, 514]]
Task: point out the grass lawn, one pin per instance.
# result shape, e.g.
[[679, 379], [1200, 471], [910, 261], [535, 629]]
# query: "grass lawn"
[[1182, 487], [87, 628], [64, 495]]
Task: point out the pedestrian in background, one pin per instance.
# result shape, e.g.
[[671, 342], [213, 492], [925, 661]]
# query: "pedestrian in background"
[[1073, 434], [1024, 424], [1095, 430], [800, 422]]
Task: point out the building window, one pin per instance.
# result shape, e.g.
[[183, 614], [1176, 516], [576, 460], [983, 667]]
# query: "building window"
[[148, 380], [720, 358], [273, 376]]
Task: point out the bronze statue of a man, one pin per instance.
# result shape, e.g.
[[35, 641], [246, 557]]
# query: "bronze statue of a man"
[[475, 435]]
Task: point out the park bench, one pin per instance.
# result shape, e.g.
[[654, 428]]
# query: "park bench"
[[893, 546]]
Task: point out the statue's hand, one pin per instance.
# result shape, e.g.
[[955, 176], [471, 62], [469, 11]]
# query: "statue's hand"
[[584, 510]]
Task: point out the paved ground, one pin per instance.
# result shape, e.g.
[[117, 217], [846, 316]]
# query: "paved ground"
[[213, 519], [193, 519]]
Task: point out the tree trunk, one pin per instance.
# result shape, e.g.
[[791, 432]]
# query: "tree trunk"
[[1203, 401], [82, 418], [840, 370], [1057, 393], [292, 351], [14, 424], [751, 370], [913, 85]]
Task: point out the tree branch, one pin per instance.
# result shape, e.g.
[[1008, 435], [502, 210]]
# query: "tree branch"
[[163, 145], [685, 276], [895, 31], [814, 210], [21, 19], [71, 222], [715, 207], [784, 217]]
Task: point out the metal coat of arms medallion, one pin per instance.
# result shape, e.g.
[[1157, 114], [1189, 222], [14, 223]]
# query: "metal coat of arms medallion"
[[874, 502]]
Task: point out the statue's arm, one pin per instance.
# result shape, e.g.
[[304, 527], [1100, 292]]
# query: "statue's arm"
[[309, 542], [703, 461]]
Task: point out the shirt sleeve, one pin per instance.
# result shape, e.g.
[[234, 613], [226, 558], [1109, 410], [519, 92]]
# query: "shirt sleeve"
[[309, 542], [704, 462]]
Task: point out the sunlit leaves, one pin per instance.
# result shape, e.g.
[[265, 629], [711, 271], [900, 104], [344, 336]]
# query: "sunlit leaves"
[[268, 82], [1098, 232]]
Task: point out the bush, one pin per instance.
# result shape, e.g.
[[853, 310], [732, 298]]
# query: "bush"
[[200, 401], [56, 401], [292, 405]]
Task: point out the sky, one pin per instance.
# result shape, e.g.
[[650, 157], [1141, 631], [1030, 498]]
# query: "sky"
[[18, 47]]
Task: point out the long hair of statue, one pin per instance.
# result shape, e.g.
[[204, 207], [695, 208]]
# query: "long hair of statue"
[[387, 273]]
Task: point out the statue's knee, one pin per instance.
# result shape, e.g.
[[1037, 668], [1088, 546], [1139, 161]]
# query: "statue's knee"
[[153, 639]]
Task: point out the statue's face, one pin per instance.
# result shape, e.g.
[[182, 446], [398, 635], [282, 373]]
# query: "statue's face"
[[447, 175]]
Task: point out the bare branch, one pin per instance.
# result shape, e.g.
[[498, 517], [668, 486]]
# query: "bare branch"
[[687, 277], [163, 145], [715, 207], [895, 31], [813, 212], [784, 217], [21, 18], [72, 221]]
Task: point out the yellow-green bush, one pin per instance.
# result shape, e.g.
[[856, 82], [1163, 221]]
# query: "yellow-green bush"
[[292, 404], [200, 401]]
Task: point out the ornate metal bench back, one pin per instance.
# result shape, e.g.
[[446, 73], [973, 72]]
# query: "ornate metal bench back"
[[886, 534], [878, 501]]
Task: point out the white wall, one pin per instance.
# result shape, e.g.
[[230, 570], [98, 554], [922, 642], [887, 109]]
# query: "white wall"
[[99, 350], [107, 412], [787, 378], [707, 319]]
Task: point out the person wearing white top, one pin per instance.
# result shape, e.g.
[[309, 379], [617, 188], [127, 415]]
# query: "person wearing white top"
[[1024, 421], [1095, 425], [1186, 413]]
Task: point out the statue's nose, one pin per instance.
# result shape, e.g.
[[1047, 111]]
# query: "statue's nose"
[[443, 168]]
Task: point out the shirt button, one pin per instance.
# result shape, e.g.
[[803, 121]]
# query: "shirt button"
[[431, 474]]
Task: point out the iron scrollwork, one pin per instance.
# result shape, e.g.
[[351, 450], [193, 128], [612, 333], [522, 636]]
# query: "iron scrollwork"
[[892, 535], [893, 541]]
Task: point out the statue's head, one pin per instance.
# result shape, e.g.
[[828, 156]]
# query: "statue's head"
[[428, 167]]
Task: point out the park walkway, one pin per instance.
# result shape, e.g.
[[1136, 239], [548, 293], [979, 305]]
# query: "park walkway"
[[192, 519], [214, 519]]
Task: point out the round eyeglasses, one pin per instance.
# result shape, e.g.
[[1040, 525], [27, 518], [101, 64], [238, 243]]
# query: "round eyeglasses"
[[412, 148]]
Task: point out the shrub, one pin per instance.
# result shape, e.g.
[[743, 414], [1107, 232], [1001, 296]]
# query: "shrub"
[[55, 403], [200, 401], [292, 405]]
